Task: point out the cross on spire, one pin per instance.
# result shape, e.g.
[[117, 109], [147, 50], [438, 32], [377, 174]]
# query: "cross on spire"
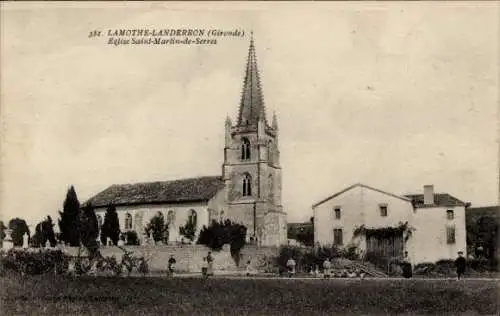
[[252, 100]]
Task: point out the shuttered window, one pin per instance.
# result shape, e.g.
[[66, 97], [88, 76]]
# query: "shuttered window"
[[338, 237], [450, 235]]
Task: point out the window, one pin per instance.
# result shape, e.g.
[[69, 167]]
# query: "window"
[[247, 185], [337, 213], [383, 210], [138, 221], [338, 237], [450, 235], [128, 221], [192, 217], [245, 149], [450, 214], [170, 217]]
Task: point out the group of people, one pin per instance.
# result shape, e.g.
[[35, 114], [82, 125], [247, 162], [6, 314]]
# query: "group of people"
[[327, 270], [206, 268]]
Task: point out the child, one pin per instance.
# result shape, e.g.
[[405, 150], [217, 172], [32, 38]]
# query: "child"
[[204, 267], [210, 265], [327, 265], [171, 265], [291, 267], [249, 268]]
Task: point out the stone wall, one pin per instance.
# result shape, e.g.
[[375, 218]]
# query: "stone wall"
[[189, 257]]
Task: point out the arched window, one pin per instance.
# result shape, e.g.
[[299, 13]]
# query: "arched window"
[[270, 184], [193, 217], [170, 217], [247, 185], [128, 221], [245, 149], [270, 151], [138, 221], [99, 221]]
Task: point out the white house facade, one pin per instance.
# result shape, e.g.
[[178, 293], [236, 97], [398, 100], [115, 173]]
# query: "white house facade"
[[421, 230]]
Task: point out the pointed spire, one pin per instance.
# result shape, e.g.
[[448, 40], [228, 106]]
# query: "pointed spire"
[[252, 100], [275, 122]]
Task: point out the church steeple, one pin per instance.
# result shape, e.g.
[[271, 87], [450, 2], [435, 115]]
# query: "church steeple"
[[252, 101]]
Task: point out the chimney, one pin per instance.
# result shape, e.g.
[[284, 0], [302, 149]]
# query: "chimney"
[[428, 195]]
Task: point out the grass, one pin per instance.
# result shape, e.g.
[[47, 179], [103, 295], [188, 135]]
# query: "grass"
[[194, 296]]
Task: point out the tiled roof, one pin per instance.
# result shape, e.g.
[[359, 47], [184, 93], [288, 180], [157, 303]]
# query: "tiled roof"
[[176, 191], [440, 199], [363, 186]]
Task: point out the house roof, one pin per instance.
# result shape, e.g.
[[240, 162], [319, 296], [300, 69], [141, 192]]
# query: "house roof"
[[440, 200], [175, 191], [363, 186]]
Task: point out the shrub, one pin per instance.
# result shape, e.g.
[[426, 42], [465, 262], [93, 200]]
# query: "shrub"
[[483, 265], [379, 260], [306, 258], [424, 268], [34, 262], [132, 238]]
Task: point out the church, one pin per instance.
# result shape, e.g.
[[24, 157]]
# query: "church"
[[248, 191]]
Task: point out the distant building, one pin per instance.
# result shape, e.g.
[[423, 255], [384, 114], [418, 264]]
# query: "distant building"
[[247, 192], [421, 227]]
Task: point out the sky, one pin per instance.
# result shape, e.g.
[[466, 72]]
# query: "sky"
[[392, 95]]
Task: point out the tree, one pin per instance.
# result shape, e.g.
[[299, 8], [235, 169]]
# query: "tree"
[[44, 231], [69, 224], [19, 228], [111, 226], [189, 229], [2, 233], [158, 227], [218, 234], [89, 230]]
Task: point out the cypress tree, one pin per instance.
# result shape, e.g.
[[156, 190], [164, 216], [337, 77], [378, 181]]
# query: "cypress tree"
[[69, 224], [111, 226]]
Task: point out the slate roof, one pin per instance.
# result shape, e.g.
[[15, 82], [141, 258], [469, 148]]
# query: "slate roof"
[[162, 192], [440, 200]]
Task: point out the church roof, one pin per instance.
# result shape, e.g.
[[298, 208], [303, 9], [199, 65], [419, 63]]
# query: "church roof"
[[252, 100], [162, 192]]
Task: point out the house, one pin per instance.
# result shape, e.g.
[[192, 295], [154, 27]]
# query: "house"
[[247, 192], [421, 227]]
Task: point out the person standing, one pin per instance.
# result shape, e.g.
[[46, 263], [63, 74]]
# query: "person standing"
[[210, 262], [204, 268], [327, 266], [460, 265], [171, 265], [291, 267]]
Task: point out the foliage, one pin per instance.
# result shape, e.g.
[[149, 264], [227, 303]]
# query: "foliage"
[[189, 229], [2, 232], [220, 233], [385, 232], [89, 229], [158, 227], [306, 258], [111, 226], [304, 234], [19, 228], [69, 224], [35, 262], [132, 238], [44, 231], [482, 235]]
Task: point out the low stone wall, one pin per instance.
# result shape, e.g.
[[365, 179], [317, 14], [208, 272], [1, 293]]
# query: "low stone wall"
[[189, 257]]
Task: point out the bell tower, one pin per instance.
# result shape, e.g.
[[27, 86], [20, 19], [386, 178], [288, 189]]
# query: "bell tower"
[[251, 170]]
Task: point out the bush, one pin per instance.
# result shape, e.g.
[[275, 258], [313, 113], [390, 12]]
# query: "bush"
[[34, 263], [132, 238], [377, 259], [483, 265]]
